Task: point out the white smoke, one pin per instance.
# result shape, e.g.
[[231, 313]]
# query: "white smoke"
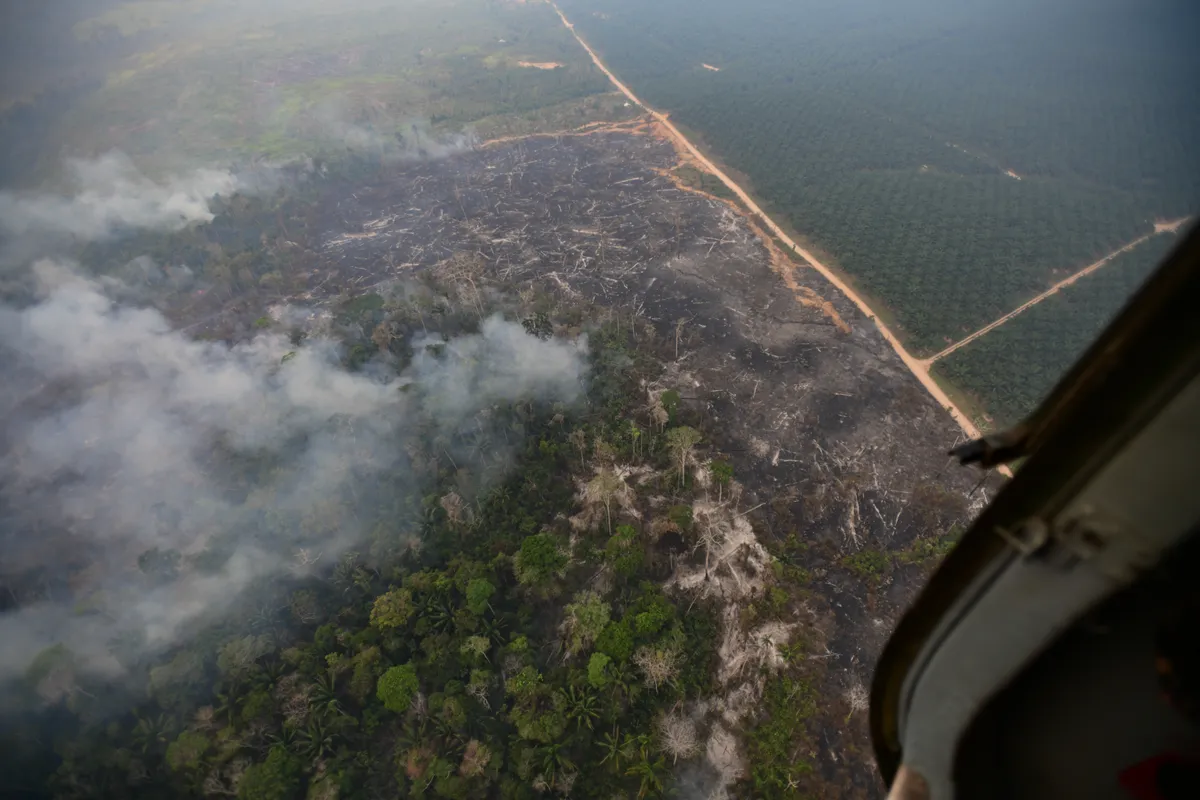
[[512, 369], [392, 138], [112, 420], [110, 193]]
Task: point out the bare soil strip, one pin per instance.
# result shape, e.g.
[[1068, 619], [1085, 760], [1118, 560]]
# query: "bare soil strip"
[[1159, 227], [918, 368], [1170, 225], [634, 126]]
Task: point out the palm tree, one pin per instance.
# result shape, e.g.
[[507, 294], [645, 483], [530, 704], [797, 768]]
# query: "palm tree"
[[289, 737], [639, 745], [555, 760], [624, 681], [493, 629], [344, 572], [415, 733], [650, 772], [265, 618], [269, 674], [451, 739], [614, 749], [581, 707], [324, 695], [152, 733], [315, 741], [364, 580], [438, 614], [498, 498]]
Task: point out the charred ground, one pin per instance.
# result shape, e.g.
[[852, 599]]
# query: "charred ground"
[[789, 537], [838, 449]]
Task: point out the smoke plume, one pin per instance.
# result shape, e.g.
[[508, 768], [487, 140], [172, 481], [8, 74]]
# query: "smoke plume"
[[391, 138], [146, 478], [110, 193], [109, 196]]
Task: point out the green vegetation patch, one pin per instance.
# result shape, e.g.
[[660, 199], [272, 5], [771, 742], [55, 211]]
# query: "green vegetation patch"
[[788, 704], [222, 82], [868, 564], [704, 181], [564, 116]]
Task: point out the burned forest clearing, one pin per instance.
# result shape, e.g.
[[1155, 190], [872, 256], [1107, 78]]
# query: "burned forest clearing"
[[843, 495], [582, 485], [527, 398]]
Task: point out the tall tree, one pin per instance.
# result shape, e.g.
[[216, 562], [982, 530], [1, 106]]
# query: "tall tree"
[[680, 442]]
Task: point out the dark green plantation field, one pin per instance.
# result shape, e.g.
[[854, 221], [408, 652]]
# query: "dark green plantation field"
[[1009, 370], [953, 161]]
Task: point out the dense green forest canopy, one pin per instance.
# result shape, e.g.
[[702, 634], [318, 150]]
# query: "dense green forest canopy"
[[953, 158]]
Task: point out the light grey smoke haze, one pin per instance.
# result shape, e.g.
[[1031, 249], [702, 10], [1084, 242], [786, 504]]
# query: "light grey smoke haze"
[[110, 193], [512, 370], [113, 421], [394, 139], [108, 196]]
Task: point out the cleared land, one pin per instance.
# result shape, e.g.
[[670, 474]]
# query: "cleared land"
[[828, 429], [841, 497], [837, 447]]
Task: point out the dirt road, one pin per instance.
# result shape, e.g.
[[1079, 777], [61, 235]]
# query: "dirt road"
[[1160, 227], [1170, 225], [918, 368]]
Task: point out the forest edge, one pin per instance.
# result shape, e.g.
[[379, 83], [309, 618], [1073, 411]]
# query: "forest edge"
[[915, 365]]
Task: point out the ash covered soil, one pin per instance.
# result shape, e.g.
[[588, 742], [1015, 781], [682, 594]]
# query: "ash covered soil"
[[839, 451]]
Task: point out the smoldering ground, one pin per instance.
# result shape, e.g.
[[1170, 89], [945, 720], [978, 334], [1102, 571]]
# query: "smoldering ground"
[[148, 478], [333, 123]]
